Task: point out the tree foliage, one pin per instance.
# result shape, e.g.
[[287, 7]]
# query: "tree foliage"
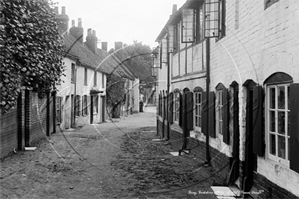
[[141, 65], [115, 90], [30, 49]]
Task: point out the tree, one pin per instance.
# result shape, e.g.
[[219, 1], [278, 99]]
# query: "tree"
[[30, 49], [141, 65], [115, 92]]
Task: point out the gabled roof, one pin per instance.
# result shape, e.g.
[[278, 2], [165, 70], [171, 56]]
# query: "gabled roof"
[[100, 61], [175, 17]]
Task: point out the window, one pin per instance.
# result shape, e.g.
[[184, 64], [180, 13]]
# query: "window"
[[103, 80], [176, 38], [176, 107], [58, 110], [77, 105], [219, 112], [84, 105], [215, 16], [197, 108], [85, 76], [187, 34], [222, 17], [199, 19], [268, 3], [73, 73], [95, 78], [278, 122]]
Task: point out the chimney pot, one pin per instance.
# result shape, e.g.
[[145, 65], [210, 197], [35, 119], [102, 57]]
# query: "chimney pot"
[[79, 22], [94, 33], [89, 31], [104, 46], [63, 10], [174, 9], [73, 23]]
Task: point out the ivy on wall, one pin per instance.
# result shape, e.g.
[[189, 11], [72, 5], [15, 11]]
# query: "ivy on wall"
[[30, 49]]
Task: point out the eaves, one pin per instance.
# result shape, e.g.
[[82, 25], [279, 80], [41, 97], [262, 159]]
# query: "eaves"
[[177, 16]]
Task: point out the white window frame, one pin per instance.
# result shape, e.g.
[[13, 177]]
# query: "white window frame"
[[219, 113], [268, 131], [197, 108], [176, 107]]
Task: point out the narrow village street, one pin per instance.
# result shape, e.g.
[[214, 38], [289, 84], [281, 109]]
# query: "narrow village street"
[[116, 159]]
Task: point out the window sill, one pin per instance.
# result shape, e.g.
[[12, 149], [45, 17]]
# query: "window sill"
[[279, 161]]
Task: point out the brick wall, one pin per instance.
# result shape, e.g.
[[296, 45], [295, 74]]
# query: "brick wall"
[[268, 189]]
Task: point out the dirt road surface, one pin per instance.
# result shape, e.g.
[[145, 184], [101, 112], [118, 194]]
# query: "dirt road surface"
[[116, 159]]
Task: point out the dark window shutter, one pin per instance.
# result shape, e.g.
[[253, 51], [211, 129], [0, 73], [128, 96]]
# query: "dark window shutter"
[[180, 109], [170, 108], [204, 113], [258, 129], [159, 105], [225, 116], [189, 109], [211, 115], [165, 106], [294, 127]]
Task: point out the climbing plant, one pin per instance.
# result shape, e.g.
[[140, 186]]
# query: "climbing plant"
[[30, 49], [115, 90]]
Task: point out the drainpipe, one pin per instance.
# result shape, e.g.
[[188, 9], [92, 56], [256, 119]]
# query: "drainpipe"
[[48, 113], [207, 162], [75, 82], [168, 93]]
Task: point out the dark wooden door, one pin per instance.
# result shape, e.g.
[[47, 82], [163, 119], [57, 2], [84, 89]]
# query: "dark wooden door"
[[92, 110], [236, 135]]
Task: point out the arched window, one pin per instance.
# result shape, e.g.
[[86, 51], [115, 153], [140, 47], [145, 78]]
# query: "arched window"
[[176, 105], [198, 98], [278, 117], [222, 126]]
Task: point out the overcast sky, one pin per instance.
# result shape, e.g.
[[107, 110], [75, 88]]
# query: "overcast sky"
[[121, 20]]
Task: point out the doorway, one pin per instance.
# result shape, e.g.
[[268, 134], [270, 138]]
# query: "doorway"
[[236, 134], [250, 157]]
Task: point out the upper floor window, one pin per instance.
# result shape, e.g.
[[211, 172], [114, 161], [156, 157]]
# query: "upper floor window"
[[215, 16], [268, 3], [73, 78], [278, 123], [176, 37], [222, 18], [199, 26], [85, 76]]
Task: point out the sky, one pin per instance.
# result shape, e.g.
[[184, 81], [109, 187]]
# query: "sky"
[[121, 20]]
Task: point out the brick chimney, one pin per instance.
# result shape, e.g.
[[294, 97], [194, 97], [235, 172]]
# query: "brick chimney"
[[77, 32], [118, 45], [91, 40], [104, 46], [62, 19], [174, 9]]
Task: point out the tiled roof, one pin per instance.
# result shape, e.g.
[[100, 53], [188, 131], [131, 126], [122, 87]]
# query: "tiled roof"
[[100, 61]]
